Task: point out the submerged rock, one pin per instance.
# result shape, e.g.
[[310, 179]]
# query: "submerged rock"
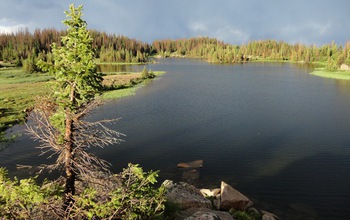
[[304, 210], [231, 198], [192, 164], [190, 176]]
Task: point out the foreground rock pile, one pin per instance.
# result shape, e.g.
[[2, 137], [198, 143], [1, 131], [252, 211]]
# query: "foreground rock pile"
[[192, 203], [215, 204]]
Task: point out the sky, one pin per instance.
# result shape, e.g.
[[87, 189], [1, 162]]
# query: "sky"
[[232, 21]]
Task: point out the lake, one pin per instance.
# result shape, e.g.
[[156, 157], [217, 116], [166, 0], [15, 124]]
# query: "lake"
[[273, 131]]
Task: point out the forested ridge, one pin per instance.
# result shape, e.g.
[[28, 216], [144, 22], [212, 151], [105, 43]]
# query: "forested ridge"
[[213, 50], [24, 48]]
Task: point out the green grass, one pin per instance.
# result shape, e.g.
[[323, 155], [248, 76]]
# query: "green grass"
[[119, 93], [18, 92], [322, 72], [159, 73], [130, 90], [16, 75], [2, 64]]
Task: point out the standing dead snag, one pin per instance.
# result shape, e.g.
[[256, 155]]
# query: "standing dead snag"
[[60, 128]]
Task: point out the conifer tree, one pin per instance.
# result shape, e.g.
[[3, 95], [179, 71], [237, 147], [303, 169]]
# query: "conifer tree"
[[60, 127]]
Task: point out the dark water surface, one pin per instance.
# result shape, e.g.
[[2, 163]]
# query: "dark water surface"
[[276, 133]]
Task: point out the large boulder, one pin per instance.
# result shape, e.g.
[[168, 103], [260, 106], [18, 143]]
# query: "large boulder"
[[231, 198], [185, 196]]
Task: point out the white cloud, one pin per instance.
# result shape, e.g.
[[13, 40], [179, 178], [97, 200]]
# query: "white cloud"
[[231, 35], [8, 26], [11, 29], [198, 27], [303, 33], [226, 33]]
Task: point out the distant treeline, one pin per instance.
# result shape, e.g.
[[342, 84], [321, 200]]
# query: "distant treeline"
[[217, 51], [24, 48]]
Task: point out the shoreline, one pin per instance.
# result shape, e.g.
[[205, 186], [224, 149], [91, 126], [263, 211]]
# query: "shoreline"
[[337, 74], [25, 103]]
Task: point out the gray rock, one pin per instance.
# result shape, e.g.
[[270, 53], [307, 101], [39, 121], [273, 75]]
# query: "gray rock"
[[217, 201], [344, 67], [253, 211], [231, 198], [185, 195], [268, 216], [203, 214], [210, 192]]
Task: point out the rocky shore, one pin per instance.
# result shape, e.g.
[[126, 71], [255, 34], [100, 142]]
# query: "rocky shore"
[[222, 203]]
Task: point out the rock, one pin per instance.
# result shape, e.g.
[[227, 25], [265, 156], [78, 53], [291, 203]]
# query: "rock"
[[192, 164], [268, 215], [344, 67], [185, 195], [231, 198], [217, 201], [203, 214], [210, 192], [253, 210], [303, 210], [190, 176]]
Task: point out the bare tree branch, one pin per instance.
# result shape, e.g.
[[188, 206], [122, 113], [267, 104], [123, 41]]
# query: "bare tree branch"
[[86, 135]]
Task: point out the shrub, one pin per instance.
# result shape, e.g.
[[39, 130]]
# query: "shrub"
[[134, 198], [24, 199], [147, 74], [128, 195]]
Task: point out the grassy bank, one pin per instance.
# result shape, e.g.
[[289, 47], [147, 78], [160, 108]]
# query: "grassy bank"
[[127, 83], [322, 72], [18, 91]]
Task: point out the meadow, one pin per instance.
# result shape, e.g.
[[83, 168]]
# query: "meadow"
[[19, 91]]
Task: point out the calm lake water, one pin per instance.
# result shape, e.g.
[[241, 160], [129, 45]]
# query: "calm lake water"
[[273, 131]]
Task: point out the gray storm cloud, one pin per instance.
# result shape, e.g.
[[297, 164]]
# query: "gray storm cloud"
[[233, 21]]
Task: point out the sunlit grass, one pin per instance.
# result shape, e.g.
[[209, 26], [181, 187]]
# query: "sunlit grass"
[[17, 95], [124, 80], [18, 91], [159, 73], [322, 72], [119, 93], [16, 75]]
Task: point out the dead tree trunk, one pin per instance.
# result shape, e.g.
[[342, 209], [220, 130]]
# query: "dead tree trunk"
[[69, 167]]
